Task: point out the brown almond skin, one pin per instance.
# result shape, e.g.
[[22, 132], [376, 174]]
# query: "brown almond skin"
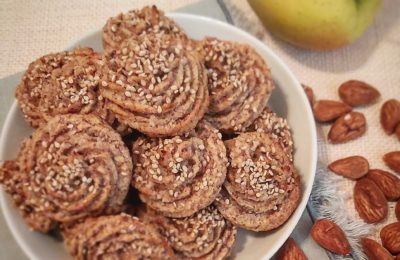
[[353, 167], [397, 257], [392, 160], [309, 93], [330, 236], [390, 115], [358, 93], [328, 110], [291, 251], [347, 127], [397, 210], [387, 183], [369, 201], [390, 236], [374, 250]]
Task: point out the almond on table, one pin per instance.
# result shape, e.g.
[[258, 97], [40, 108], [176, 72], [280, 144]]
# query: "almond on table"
[[369, 201], [353, 167], [328, 110], [374, 250], [347, 128], [358, 93], [309, 93], [390, 115], [291, 251], [392, 159], [387, 183], [330, 236], [390, 236]]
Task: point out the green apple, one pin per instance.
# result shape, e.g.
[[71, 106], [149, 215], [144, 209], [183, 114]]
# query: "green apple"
[[316, 24]]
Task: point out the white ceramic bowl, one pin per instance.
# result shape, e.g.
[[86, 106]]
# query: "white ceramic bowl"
[[288, 100]]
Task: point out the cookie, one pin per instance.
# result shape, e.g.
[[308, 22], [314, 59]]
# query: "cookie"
[[62, 83], [155, 86], [179, 176], [276, 126], [12, 180], [115, 237], [75, 166], [204, 235], [262, 188], [135, 23], [239, 83]]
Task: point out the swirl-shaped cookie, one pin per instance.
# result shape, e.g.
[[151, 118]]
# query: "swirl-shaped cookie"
[[13, 180], [75, 166], [147, 21], [62, 83], [156, 86], [276, 126], [116, 237], [204, 235], [262, 187], [180, 175], [239, 83]]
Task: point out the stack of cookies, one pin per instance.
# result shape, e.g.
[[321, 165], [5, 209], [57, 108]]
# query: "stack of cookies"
[[182, 123]]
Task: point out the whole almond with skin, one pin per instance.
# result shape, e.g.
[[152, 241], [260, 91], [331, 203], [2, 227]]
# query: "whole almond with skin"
[[390, 115], [369, 201], [374, 250], [330, 236], [358, 93], [392, 160], [353, 167], [397, 210], [309, 93], [291, 251], [328, 110], [347, 127], [387, 183], [390, 236]]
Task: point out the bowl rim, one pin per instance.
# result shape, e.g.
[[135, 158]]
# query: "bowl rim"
[[296, 215]]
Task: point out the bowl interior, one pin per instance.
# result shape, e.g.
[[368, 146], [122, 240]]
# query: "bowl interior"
[[288, 100]]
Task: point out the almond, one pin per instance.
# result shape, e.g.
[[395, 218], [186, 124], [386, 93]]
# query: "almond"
[[392, 160], [397, 210], [291, 251], [330, 236], [390, 115], [374, 250], [397, 257], [390, 236], [347, 127], [353, 167], [328, 110], [369, 201], [309, 93], [358, 93], [387, 183]]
